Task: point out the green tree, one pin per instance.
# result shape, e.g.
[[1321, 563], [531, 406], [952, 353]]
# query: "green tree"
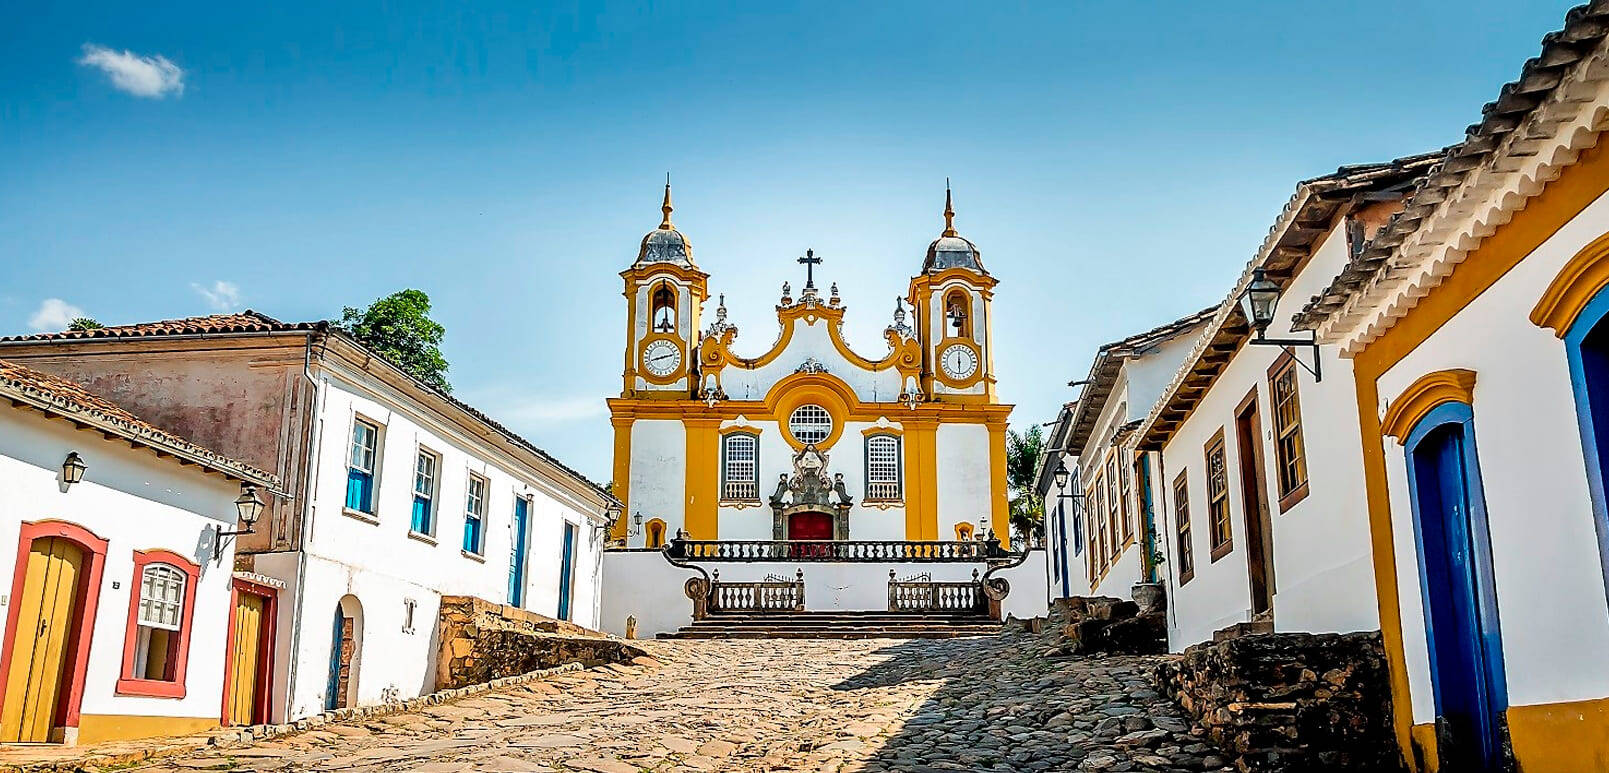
[[84, 323], [1023, 452], [399, 328]]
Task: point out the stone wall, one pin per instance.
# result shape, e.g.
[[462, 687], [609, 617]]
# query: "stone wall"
[[482, 641], [1086, 624], [1290, 701]]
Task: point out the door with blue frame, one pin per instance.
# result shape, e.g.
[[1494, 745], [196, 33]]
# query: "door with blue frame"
[[567, 570], [1458, 590], [516, 562]]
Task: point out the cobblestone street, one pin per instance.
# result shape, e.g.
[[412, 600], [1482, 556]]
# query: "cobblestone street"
[[760, 705]]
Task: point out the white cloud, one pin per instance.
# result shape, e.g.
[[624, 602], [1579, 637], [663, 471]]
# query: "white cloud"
[[153, 77], [220, 295], [54, 315]]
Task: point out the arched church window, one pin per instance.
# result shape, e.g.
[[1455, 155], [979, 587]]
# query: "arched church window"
[[882, 468], [655, 534], [664, 309], [955, 313], [810, 424], [740, 467]]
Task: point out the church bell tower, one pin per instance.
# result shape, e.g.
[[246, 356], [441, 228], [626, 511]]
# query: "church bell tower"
[[664, 292], [952, 297]]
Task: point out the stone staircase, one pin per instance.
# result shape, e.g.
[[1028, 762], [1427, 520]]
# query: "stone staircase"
[[837, 625]]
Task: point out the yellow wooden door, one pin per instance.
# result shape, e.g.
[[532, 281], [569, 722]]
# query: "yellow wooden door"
[[244, 653], [39, 650]]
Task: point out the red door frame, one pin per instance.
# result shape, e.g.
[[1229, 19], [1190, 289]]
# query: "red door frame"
[[88, 597], [813, 521], [265, 650]]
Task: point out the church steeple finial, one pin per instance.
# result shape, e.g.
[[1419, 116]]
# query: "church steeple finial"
[[666, 207], [949, 210]]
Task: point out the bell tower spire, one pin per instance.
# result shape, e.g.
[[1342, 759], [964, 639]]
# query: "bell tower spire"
[[949, 210], [666, 207]]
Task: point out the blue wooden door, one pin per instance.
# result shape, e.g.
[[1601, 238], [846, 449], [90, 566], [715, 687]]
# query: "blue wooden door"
[[516, 561], [566, 570], [1460, 606], [332, 688]]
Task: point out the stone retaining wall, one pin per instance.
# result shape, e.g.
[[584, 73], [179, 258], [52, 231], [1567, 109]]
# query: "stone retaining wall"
[[482, 641], [1290, 701]]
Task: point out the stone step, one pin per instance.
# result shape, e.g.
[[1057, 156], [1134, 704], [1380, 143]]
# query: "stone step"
[[836, 625], [1238, 630]]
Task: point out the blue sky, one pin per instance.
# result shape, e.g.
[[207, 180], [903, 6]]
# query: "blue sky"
[[1116, 162]]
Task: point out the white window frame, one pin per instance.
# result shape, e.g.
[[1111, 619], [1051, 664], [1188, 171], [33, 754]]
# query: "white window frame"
[[162, 607], [432, 512]]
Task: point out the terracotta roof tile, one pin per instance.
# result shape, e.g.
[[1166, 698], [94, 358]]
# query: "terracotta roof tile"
[[247, 321]]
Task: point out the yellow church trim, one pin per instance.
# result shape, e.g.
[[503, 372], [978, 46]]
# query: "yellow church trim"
[[1563, 199], [1000, 504], [741, 429], [681, 371], [621, 485], [1561, 737], [1456, 385], [921, 470], [978, 374], [1574, 287], [641, 274], [716, 353], [701, 513]]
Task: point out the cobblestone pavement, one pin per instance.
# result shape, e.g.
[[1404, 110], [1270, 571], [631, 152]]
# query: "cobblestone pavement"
[[771, 705]]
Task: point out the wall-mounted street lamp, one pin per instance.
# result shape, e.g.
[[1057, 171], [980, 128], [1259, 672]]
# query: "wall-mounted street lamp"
[[1257, 303], [72, 468], [1063, 477], [248, 508]]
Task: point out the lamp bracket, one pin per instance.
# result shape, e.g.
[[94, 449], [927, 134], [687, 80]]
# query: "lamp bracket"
[[217, 540], [1291, 345]]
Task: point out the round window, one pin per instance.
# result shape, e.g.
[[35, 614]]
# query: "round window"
[[810, 423]]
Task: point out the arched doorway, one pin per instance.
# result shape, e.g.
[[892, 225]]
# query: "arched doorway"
[[346, 647], [53, 600], [1455, 564]]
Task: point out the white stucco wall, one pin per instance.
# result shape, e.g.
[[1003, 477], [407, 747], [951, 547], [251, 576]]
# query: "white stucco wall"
[[1323, 577], [136, 501], [964, 476], [810, 340], [643, 584], [1549, 584], [385, 566]]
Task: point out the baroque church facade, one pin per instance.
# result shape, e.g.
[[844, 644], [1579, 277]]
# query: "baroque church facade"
[[806, 438]]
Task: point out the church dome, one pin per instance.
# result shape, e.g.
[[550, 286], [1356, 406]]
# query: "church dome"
[[665, 244], [951, 249]]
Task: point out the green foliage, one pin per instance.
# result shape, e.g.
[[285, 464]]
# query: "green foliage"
[[1023, 452], [84, 323], [399, 328]]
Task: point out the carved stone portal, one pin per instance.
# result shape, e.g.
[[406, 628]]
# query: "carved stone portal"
[[809, 496]]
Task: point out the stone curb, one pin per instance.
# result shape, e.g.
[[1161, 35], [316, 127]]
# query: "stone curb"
[[233, 737]]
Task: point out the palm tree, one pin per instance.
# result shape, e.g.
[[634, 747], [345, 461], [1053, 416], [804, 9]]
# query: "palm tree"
[[1027, 512]]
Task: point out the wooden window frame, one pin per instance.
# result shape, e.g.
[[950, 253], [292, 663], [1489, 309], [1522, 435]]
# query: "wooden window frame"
[[1285, 365], [432, 506], [371, 507], [1218, 505], [1183, 534], [179, 650], [1125, 478]]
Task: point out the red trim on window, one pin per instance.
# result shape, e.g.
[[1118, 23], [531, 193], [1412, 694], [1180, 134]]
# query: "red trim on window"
[[265, 652], [128, 684], [88, 599]]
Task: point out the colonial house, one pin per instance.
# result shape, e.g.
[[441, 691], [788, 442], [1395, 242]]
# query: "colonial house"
[[395, 494], [805, 439], [1474, 327], [122, 616], [1257, 476], [1099, 523]]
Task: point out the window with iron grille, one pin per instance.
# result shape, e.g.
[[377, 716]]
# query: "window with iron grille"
[[1289, 452], [1181, 515], [1218, 496], [882, 468], [810, 424], [740, 467]]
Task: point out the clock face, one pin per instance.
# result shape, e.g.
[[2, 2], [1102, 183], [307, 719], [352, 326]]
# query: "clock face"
[[661, 358], [959, 362]]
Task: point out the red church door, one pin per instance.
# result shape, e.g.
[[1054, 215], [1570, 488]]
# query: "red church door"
[[810, 526]]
